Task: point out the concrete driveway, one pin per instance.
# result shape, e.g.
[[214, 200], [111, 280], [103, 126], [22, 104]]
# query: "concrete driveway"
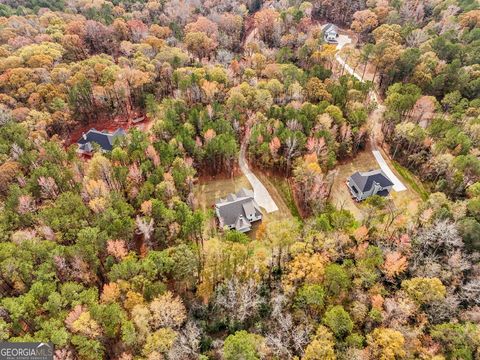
[[343, 40], [397, 184], [260, 192]]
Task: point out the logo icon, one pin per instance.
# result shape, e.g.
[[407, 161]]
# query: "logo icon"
[[26, 351]]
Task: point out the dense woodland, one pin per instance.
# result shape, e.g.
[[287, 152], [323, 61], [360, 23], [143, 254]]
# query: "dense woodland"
[[112, 258]]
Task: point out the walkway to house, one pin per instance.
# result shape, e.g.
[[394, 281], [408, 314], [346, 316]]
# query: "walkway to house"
[[260, 192]]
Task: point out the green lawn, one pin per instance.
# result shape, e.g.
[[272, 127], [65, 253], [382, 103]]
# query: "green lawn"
[[412, 180]]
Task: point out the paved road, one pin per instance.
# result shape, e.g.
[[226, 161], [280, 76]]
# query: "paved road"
[[260, 192]]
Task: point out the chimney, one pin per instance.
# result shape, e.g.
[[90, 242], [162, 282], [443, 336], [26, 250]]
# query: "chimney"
[[84, 136]]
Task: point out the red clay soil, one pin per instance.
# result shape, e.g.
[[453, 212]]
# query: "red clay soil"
[[108, 124]]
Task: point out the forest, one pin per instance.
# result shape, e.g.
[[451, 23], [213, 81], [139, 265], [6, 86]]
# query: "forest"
[[112, 256]]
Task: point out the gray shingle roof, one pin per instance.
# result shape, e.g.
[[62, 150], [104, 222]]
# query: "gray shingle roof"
[[104, 139], [242, 224], [364, 180], [330, 28], [248, 208], [245, 192], [230, 211], [234, 209]]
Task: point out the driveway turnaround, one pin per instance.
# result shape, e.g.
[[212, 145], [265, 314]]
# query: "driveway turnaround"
[[397, 184], [260, 193]]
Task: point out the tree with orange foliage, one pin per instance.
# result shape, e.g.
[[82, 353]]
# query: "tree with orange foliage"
[[395, 264], [266, 21], [470, 19], [363, 22], [203, 25]]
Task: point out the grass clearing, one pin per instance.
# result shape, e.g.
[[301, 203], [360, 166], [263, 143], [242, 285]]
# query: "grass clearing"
[[408, 201], [412, 180], [207, 191]]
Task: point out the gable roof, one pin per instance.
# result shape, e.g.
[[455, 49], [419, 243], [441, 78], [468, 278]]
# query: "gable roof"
[[248, 208], [364, 180], [242, 223], [104, 139], [236, 207], [330, 28]]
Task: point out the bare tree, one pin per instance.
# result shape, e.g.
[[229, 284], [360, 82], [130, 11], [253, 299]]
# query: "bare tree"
[[444, 310], [470, 292], [440, 238], [5, 116], [286, 338], [238, 301], [187, 343], [16, 151], [48, 187], [416, 38], [145, 228], [291, 150]]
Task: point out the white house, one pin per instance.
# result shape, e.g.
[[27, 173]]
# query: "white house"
[[330, 33]]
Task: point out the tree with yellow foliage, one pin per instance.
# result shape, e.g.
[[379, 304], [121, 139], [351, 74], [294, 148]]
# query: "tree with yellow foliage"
[[304, 268], [280, 235], [424, 290], [321, 347], [325, 55], [386, 344], [224, 260], [200, 44], [316, 90]]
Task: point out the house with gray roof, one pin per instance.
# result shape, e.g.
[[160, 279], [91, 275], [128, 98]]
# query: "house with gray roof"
[[330, 33], [365, 184], [238, 211], [103, 138]]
